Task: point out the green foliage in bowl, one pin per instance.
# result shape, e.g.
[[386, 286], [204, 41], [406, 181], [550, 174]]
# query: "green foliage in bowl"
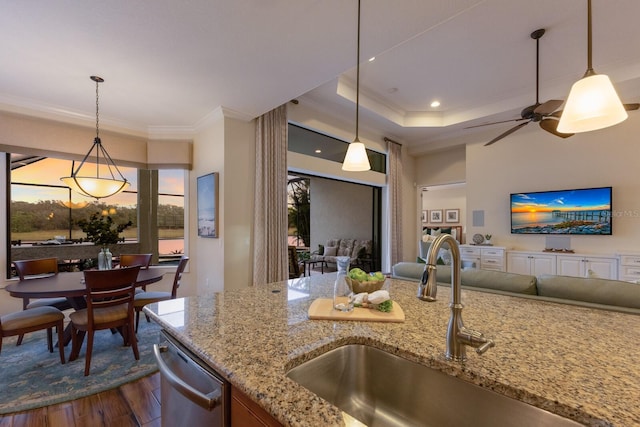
[[359, 281]]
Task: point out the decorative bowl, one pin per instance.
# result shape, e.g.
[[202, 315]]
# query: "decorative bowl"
[[367, 286]]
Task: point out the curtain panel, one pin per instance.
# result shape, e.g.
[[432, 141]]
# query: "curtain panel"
[[395, 200], [270, 260]]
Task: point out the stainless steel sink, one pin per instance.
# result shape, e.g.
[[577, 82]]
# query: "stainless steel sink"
[[381, 389]]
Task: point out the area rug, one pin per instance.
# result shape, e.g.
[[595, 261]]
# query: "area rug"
[[31, 377]]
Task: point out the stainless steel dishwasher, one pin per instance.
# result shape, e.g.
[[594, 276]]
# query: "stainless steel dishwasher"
[[193, 394]]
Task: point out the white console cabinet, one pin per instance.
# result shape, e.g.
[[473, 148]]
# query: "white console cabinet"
[[569, 264], [579, 266], [484, 257], [532, 263], [629, 269]]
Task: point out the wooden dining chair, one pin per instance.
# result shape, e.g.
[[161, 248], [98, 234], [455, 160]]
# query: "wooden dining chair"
[[143, 260], [143, 298], [35, 319], [128, 260], [30, 269], [34, 268], [109, 305]]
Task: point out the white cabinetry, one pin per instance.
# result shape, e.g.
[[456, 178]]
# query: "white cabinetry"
[[629, 267], [532, 263], [484, 257], [579, 266]]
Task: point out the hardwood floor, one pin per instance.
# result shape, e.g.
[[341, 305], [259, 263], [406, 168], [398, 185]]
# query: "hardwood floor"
[[133, 404]]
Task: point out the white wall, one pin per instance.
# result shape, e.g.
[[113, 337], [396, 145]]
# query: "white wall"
[[226, 146], [535, 160], [339, 210], [207, 254]]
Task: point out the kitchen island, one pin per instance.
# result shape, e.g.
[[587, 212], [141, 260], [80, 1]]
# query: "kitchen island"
[[580, 363]]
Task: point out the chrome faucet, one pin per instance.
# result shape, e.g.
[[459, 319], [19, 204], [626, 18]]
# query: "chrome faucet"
[[458, 336]]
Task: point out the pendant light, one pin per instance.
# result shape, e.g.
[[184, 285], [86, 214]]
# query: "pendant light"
[[356, 159], [96, 186], [593, 102]]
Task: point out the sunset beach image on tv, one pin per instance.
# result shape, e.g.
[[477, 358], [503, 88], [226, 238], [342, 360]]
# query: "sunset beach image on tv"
[[579, 211]]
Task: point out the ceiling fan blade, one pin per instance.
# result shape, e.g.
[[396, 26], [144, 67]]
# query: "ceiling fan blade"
[[509, 132], [548, 107], [551, 126], [495, 123]]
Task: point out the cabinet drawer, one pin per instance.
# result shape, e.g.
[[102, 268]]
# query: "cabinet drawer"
[[631, 272], [492, 262], [469, 252], [630, 260], [493, 252]]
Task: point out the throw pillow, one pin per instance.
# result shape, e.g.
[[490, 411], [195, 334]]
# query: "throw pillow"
[[362, 253], [330, 250], [321, 249]]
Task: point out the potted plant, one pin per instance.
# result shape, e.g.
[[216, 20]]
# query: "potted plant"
[[101, 231], [487, 239]]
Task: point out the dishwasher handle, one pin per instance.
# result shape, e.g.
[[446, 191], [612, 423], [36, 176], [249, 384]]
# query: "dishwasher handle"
[[208, 401]]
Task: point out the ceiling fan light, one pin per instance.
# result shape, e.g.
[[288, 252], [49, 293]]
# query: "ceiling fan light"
[[356, 159], [592, 104]]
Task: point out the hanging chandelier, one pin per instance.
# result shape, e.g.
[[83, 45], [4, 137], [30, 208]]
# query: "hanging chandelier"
[[356, 159], [96, 186]]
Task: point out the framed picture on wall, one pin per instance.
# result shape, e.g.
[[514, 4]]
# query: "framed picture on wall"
[[452, 215], [435, 216], [424, 216], [208, 205]]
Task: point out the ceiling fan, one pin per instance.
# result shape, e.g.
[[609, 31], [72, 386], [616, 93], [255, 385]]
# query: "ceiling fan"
[[538, 113]]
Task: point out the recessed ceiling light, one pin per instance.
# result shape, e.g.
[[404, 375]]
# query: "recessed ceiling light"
[[435, 104], [373, 58], [318, 151]]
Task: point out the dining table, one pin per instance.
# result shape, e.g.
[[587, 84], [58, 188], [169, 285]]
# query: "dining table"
[[71, 286]]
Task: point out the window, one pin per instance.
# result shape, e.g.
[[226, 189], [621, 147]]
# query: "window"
[[316, 144], [170, 214], [43, 210]]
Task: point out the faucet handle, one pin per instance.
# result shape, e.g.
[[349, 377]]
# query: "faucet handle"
[[475, 339], [486, 346]]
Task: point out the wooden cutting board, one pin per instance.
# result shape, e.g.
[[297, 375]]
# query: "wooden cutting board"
[[322, 309]]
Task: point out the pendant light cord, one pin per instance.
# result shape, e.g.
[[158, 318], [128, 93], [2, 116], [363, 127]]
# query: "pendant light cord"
[[97, 112], [358, 78], [590, 71]]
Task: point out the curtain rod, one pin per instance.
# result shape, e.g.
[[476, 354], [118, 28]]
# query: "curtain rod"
[[391, 140]]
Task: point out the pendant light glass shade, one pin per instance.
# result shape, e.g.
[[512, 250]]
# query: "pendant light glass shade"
[[593, 102], [356, 159], [96, 186]]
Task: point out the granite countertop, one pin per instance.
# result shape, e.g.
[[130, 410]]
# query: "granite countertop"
[[580, 363]]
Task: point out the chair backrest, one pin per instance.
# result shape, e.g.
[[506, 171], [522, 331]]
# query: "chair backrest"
[[108, 288], [31, 267], [176, 280], [294, 266], [128, 260]]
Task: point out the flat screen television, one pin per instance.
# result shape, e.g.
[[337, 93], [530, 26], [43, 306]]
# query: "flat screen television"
[[584, 211]]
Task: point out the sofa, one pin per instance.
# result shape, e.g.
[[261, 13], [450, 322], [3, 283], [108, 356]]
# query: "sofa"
[[605, 294], [355, 249]]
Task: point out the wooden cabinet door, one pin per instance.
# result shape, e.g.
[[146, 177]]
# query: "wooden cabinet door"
[[570, 266], [246, 413], [543, 264], [519, 263], [603, 268]]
